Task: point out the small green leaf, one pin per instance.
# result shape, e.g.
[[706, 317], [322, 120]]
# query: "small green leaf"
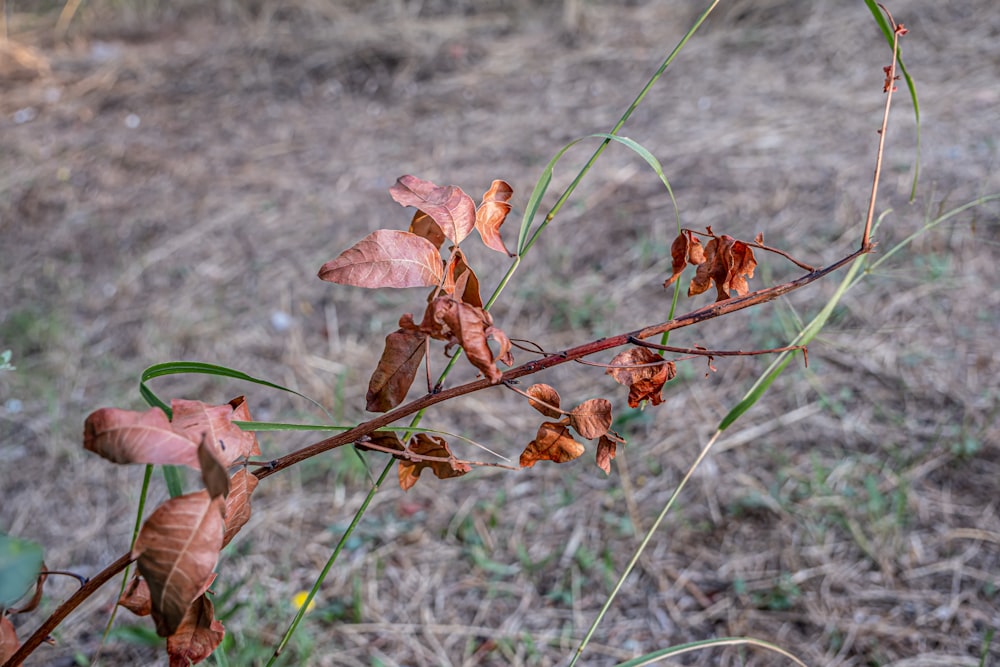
[[20, 563]]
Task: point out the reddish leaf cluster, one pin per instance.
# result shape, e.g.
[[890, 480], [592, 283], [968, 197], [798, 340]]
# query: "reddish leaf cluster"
[[424, 451], [178, 546], [554, 441], [644, 373], [412, 258], [725, 261]]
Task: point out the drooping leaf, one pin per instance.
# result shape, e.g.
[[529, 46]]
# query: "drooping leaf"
[[459, 323], [125, 436], [20, 563], [424, 225], [8, 639], [453, 210], [553, 442], [386, 439], [592, 418], [461, 282], [545, 396], [241, 412], [396, 370], [643, 372], [241, 486], [491, 215], [197, 635], [685, 249], [177, 550], [387, 258], [741, 269], [136, 597], [215, 477], [429, 445], [606, 450], [728, 263]]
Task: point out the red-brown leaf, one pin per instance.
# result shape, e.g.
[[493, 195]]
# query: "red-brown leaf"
[[136, 597], [8, 639], [197, 636], [553, 442], [177, 550], [241, 413], [199, 421], [396, 370], [491, 215], [546, 398], [124, 436], [679, 258], [644, 373], [453, 210], [742, 268], [461, 281], [237, 512], [592, 418], [428, 445], [424, 225], [387, 258], [606, 449]]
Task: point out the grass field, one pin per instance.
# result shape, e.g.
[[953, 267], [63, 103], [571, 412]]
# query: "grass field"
[[172, 177]]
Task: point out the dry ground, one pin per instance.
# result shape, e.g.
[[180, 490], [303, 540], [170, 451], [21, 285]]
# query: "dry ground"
[[171, 179]]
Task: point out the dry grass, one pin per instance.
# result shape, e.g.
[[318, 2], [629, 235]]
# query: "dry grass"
[[850, 517]]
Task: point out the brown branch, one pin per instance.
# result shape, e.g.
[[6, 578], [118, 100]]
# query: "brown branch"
[[413, 456], [698, 351]]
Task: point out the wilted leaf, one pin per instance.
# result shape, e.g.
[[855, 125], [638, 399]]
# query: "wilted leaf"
[[643, 372], [461, 281], [606, 449], [215, 477], [124, 436], [136, 597], [387, 258], [729, 264], [545, 395], [553, 442], [592, 418], [177, 550], [241, 486], [453, 210], [428, 445], [241, 413], [197, 636], [459, 323], [8, 639], [678, 256], [386, 439], [741, 269], [213, 424], [424, 225], [396, 370], [491, 215]]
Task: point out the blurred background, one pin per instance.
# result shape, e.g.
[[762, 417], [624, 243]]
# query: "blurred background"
[[173, 175]]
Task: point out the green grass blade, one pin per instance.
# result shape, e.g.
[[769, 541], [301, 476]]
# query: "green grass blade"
[[650, 658], [535, 200]]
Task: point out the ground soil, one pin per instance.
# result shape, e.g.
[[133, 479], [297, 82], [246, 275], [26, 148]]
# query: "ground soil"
[[172, 177]]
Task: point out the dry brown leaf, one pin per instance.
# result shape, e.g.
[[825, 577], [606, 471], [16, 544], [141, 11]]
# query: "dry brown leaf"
[[424, 225], [214, 476], [606, 450], [429, 445], [461, 281], [176, 551], [453, 210], [124, 436], [197, 635], [742, 268], [199, 421], [386, 439], [491, 215], [545, 396], [241, 413], [387, 258], [635, 369], [679, 257], [396, 370], [136, 597], [553, 442], [592, 418], [237, 513], [8, 639]]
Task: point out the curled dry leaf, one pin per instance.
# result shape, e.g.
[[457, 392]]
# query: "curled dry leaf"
[[214, 476], [136, 597], [459, 323], [396, 370], [177, 550], [429, 445], [643, 372], [124, 436], [8, 639], [729, 264], [461, 281], [197, 635], [592, 418], [453, 210], [686, 249], [491, 215], [387, 258], [386, 439], [214, 425], [553, 442], [606, 450], [424, 225], [544, 398], [237, 512]]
